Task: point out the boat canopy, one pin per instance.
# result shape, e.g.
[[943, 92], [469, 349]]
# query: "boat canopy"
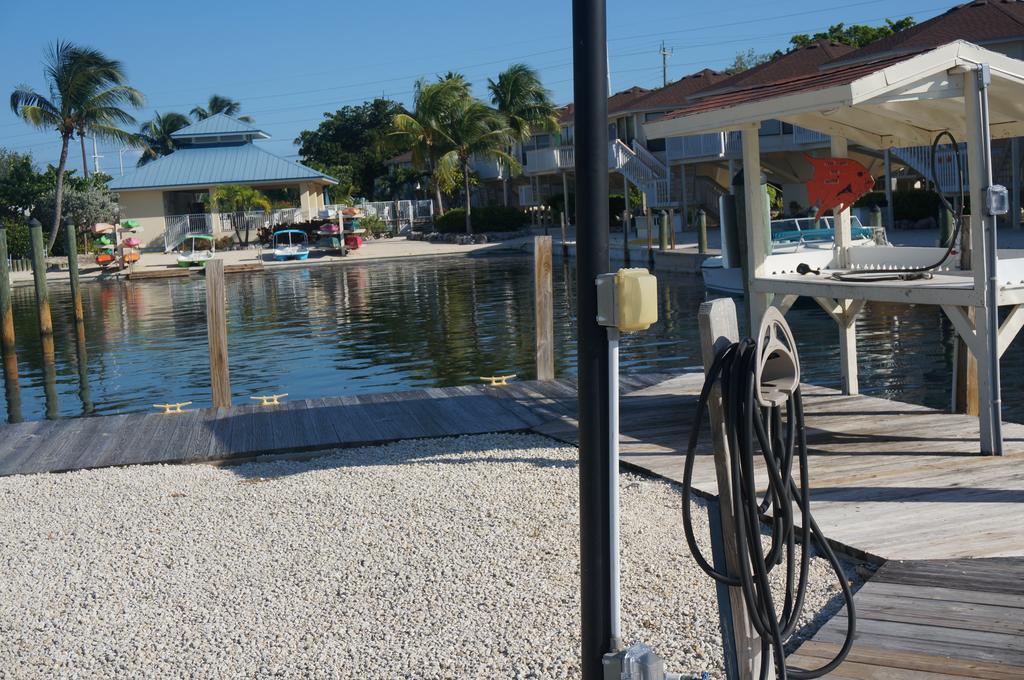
[[289, 231], [201, 237]]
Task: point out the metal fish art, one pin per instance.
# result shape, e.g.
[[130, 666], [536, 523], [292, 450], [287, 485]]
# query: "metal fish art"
[[837, 183]]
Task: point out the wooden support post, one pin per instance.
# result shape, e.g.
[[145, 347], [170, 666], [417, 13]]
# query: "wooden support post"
[[663, 229], [565, 237], [977, 143], [6, 318], [650, 233], [672, 227], [702, 232], [42, 294], [844, 313], [890, 210], [843, 237], [543, 307], [757, 229], [742, 646], [12, 391], [625, 237], [217, 333], [71, 245], [686, 199]]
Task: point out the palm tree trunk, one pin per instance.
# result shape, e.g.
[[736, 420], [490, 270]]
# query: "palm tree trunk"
[[469, 202], [58, 192], [85, 163], [440, 205]]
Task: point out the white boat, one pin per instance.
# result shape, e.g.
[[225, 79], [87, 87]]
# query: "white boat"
[[196, 257], [791, 235], [290, 244]]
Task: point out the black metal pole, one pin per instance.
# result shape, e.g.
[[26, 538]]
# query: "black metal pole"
[[590, 77]]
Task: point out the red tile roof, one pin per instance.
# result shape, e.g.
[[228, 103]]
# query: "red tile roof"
[[818, 80], [678, 93], [799, 62], [623, 101], [978, 22]]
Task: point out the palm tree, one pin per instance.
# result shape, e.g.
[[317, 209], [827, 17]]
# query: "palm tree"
[[86, 93], [473, 130], [237, 198], [525, 103], [218, 104], [156, 135], [421, 130]]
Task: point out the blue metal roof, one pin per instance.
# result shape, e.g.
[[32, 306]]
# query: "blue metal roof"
[[240, 163], [219, 124]]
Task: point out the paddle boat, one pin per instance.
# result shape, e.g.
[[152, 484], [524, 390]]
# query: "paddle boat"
[[195, 256], [290, 244], [791, 235]]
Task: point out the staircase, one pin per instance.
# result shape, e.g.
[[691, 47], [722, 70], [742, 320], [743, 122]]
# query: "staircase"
[[180, 227], [643, 169]]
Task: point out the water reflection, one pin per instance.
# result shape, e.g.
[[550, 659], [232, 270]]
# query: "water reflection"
[[357, 328]]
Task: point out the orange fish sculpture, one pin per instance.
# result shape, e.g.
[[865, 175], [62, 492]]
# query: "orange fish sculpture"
[[837, 183]]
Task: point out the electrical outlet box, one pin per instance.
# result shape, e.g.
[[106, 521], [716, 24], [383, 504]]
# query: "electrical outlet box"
[[997, 200], [627, 300]]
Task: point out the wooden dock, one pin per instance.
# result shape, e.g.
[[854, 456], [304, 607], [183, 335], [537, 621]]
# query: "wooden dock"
[[891, 481]]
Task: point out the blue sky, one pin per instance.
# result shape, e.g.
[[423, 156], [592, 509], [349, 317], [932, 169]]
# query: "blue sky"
[[289, 62]]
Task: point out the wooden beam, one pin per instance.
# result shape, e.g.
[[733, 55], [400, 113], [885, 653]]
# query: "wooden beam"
[[840, 149], [543, 307], [719, 329], [1010, 327], [784, 302], [964, 324]]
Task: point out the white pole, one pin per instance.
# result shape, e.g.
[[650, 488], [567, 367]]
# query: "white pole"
[[613, 469], [95, 156]]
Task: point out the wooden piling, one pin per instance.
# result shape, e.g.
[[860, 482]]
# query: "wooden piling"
[[42, 295], [6, 317], [650, 230], [718, 329], [625, 237], [702, 232], [71, 246], [565, 237], [672, 227], [217, 333], [965, 364], [543, 307]]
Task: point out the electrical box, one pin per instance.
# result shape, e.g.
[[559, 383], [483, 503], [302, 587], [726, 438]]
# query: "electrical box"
[[997, 200], [627, 300]]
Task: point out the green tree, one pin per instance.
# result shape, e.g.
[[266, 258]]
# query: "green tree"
[[21, 187], [471, 129], [519, 95], [218, 104], [750, 59], [856, 35], [156, 135], [355, 137], [86, 201], [86, 93], [423, 130], [237, 198]]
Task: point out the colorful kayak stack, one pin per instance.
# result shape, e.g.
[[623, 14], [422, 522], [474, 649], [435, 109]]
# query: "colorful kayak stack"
[[116, 245]]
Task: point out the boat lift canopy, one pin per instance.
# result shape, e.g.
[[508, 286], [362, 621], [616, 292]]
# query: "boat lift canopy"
[[894, 102]]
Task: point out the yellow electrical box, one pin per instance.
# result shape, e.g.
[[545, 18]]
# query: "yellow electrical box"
[[627, 300]]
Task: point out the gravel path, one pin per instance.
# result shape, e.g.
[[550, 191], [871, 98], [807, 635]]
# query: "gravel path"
[[452, 558]]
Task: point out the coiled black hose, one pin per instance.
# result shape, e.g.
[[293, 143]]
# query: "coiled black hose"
[[755, 431]]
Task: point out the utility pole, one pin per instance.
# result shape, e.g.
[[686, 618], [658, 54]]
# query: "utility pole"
[[665, 54], [95, 156]]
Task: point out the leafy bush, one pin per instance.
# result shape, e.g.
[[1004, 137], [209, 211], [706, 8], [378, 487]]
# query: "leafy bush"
[[19, 244], [486, 218], [557, 203], [374, 224]]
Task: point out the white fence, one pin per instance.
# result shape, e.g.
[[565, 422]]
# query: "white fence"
[[180, 227], [401, 216]]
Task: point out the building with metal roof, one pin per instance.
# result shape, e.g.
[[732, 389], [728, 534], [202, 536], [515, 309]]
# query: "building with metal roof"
[[169, 196]]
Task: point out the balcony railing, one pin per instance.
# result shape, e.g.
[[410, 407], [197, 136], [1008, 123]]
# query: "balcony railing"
[[550, 159], [710, 145]]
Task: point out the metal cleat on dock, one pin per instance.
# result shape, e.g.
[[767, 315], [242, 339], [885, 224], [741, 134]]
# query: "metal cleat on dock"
[[269, 399], [497, 380], [172, 408]]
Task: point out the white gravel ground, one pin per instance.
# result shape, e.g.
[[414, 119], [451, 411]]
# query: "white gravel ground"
[[453, 558]]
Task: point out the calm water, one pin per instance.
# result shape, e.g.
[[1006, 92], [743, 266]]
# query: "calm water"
[[381, 326]]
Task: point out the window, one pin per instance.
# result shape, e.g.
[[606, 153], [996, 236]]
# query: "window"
[[542, 141], [655, 145], [770, 128]]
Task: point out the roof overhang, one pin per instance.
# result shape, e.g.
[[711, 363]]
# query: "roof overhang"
[[900, 104], [324, 180]]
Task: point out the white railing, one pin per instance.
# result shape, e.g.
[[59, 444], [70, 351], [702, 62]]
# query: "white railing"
[[550, 159], [650, 159], [919, 158], [179, 227], [243, 222], [696, 146], [488, 168], [284, 216], [401, 215]]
